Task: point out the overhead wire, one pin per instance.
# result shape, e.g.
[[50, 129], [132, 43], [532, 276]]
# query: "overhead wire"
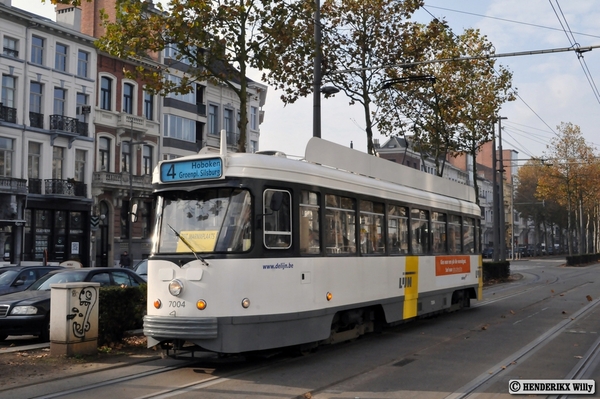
[[515, 92], [571, 38]]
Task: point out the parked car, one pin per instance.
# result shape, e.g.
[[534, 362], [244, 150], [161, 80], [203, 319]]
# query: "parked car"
[[488, 252], [28, 312], [19, 278], [141, 268]]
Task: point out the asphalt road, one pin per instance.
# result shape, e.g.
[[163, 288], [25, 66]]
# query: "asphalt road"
[[544, 325]]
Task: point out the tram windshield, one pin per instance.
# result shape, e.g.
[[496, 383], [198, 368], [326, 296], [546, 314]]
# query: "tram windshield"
[[204, 221]]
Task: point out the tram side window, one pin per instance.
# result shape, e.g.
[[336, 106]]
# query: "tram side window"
[[397, 229], [309, 223], [371, 225], [277, 219], [438, 232], [340, 228], [454, 242], [469, 235], [419, 222]]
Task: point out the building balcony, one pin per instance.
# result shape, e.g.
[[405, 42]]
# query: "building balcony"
[[8, 114], [65, 187], [60, 123], [57, 187], [109, 180], [36, 120], [124, 122], [9, 185]]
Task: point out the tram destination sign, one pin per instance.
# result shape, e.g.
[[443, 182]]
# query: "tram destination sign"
[[197, 169]]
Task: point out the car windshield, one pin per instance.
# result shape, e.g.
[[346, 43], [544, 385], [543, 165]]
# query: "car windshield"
[[142, 267], [204, 221], [7, 277], [56, 278]]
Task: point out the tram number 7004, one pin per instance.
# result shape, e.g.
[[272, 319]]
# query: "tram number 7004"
[[177, 304]]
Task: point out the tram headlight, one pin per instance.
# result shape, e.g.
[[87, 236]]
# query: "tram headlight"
[[176, 287]]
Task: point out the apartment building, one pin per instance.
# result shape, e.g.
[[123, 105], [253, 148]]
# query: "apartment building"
[[46, 138]]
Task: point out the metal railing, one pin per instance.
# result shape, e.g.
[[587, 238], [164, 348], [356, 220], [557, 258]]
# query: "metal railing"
[[69, 125], [8, 114]]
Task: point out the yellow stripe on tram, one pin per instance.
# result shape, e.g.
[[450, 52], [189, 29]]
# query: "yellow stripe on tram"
[[411, 287]]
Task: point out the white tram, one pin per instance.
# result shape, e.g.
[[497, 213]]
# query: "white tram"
[[259, 251]]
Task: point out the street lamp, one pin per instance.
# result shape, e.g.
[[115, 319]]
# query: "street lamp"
[[132, 209], [317, 77]]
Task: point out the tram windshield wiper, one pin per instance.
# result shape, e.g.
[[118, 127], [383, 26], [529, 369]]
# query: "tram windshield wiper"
[[187, 244]]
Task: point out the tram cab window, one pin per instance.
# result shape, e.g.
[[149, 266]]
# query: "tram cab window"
[[277, 220], [397, 229], [419, 222], [211, 220], [309, 223]]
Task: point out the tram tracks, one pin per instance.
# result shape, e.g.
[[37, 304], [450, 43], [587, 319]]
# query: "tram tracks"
[[588, 362]]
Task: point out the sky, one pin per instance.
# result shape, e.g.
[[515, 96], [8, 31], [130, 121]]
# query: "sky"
[[552, 88]]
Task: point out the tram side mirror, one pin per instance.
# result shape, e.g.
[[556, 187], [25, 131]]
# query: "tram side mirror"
[[276, 201], [134, 208]]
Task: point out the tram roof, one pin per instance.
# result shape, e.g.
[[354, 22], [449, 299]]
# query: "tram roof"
[[325, 154]]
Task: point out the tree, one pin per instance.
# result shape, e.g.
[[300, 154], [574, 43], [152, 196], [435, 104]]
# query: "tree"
[[571, 168], [362, 37], [219, 41]]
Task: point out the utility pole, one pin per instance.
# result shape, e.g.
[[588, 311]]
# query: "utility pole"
[[502, 222], [496, 207]]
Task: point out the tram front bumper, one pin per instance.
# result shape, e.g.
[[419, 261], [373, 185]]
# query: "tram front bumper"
[[161, 328]]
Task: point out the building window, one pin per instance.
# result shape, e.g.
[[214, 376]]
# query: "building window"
[[8, 91], [6, 156], [36, 118], [83, 58], [106, 93], [254, 118], [125, 156], [58, 156], [228, 120], [60, 60], [128, 98], [35, 97], [213, 124], [80, 157], [104, 153], [187, 97], [147, 160], [82, 100], [60, 98], [148, 106], [37, 50], [33, 160], [180, 128], [253, 146], [11, 47]]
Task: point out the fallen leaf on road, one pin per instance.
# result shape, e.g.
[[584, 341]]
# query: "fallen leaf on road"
[[589, 298]]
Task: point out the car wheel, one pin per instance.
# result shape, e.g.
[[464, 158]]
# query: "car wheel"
[[45, 332]]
